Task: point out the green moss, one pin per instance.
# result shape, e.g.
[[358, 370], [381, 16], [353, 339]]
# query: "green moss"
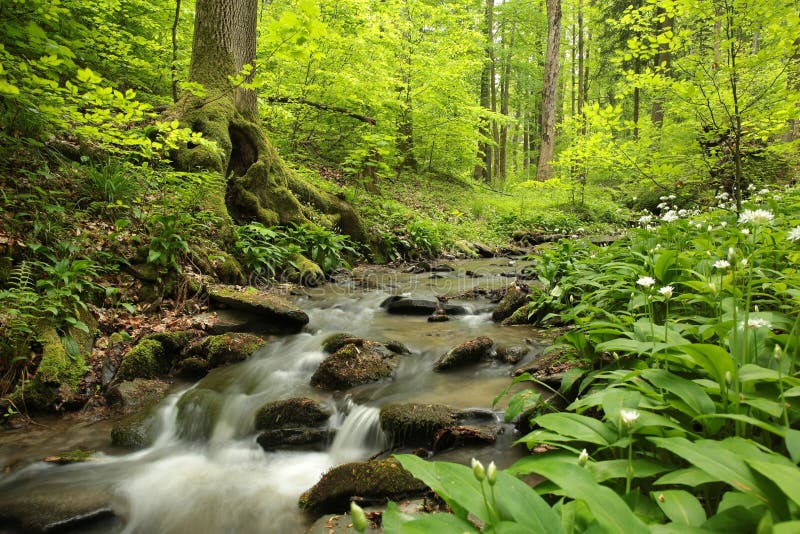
[[335, 342], [352, 366], [468, 352], [305, 271], [198, 412], [230, 348], [71, 457], [513, 300], [172, 342], [57, 370], [193, 368], [136, 431], [145, 360]]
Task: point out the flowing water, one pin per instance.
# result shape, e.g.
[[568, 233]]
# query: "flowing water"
[[206, 473]]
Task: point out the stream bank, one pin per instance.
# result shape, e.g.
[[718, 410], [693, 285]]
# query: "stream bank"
[[206, 471]]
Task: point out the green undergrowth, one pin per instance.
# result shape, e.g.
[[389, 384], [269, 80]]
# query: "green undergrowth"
[[685, 416]]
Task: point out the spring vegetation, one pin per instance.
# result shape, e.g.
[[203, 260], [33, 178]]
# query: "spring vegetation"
[[149, 147]]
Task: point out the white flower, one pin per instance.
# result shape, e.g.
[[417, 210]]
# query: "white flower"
[[646, 281], [756, 217], [629, 416], [666, 291], [583, 457], [723, 224], [710, 228], [491, 474], [477, 470], [698, 225], [670, 216], [744, 262], [745, 231], [672, 197], [756, 322], [751, 187], [794, 234], [764, 191], [731, 253], [644, 219], [722, 264]]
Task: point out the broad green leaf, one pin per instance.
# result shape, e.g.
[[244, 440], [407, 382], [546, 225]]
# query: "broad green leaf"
[[793, 444], [723, 464], [778, 431], [518, 501], [787, 478], [580, 427], [610, 469], [680, 507], [787, 527], [608, 508], [395, 522], [693, 395], [713, 359], [452, 482]]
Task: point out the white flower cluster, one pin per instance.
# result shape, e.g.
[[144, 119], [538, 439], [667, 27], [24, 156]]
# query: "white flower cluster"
[[756, 217], [794, 234]]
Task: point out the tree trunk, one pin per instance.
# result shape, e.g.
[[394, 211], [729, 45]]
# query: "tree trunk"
[[505, 89], [544, 170], [258, 185], [484, 168]]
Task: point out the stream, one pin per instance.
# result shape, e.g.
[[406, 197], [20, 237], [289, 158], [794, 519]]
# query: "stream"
[[227, 482]]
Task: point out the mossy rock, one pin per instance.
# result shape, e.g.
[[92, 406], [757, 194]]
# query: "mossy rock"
[[468, 352], [230, 348], [146, 360], [305, 271], [57, 375], [198, 412], [291, 413], [512, 354], [335, 342], [70, 457], [514, 299], [131, 396], [416, 424], [137, 431], [352, 366], [376, 480], [52, 509], [192, 368], [281, 316], [174, 342], [396, 346]]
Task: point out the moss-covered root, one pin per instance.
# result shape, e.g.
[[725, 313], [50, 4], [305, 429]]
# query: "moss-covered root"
[[376, 480]]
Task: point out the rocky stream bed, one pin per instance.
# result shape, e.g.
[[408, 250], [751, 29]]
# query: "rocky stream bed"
[[274, 413]]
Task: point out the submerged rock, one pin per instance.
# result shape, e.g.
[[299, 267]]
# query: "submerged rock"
[[291, 413], [464, 435], [375, 480], [468, 352], [224, 321], [278, 315], [192, 368], [46, 510], [516, 296], [294, 438], [353, 365], [137, 431]]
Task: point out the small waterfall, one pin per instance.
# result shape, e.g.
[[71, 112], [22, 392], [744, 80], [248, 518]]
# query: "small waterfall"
[[360, 435]]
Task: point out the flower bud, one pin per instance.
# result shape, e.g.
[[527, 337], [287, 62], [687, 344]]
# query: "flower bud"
[[728, 377], [583, 457], [358, 516], [777, 352], [491, 473], [477, 470]]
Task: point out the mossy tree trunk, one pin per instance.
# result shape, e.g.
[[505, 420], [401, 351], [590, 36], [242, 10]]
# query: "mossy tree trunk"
[[258, 186]]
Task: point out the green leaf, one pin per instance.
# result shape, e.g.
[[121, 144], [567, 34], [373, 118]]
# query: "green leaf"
[[725, 465], [713, 359], [793, 444], [518, 501], [787, 527], [452, 482], [610, 469], [787, 478], [680, 507], [608, 508], [577, 426], [693, 395]]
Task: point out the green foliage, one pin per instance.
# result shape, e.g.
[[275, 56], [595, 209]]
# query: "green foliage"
[[327, 249], [167, 242]]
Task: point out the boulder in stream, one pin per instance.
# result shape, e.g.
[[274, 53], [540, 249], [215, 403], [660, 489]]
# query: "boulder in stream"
[[375, 480], [409, 306], [353, 365], [516, 296], [512, 354], [130, 396], [291, 423], [81, 509], [278, 315], [416, 424], [230, 348], [468, 352], [136, 431]]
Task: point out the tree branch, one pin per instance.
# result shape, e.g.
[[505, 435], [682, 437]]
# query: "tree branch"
[[324, 107]]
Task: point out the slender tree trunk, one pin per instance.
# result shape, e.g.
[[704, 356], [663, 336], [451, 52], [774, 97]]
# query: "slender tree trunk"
[[174, 67], [484, 167], [794, 85], [505, 85], [544, 170], [663, 64]]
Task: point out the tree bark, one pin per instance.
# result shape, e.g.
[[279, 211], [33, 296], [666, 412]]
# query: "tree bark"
[[544, 170], [258, 185]]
